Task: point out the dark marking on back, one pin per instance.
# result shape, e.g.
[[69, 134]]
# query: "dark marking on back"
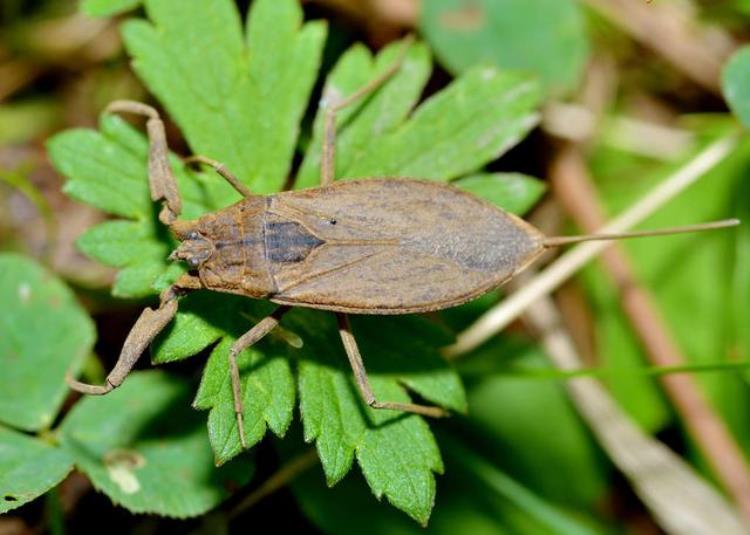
[[249, 240], [288, 241]]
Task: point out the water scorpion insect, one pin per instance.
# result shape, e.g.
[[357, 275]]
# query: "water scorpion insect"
[[375, 246]]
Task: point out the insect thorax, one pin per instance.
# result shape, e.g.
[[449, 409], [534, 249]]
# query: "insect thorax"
[[238, 263]]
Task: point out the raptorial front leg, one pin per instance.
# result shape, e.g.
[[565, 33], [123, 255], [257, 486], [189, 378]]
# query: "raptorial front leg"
[[161, 179], [363, 383], [262, 328], [331, 107], [149, 324]]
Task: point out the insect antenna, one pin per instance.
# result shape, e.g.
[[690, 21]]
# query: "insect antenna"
[[557, 241]]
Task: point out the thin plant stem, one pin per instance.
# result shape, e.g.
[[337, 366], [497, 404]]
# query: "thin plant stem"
[[283, 476]]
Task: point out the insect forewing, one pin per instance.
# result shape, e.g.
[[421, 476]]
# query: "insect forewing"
[[392, 246]]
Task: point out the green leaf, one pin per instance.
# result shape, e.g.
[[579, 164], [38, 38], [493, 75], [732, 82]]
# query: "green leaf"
[[119, 243], [375, 116], [470, 123], [475, 497], [514, 192], [735, 83], [193, 329], [268, 397], [45, 333], [265, 374], [147, 450], [107, 8], [396, 451], [236, 98], [546, 38], [108, 169], [28, 468]]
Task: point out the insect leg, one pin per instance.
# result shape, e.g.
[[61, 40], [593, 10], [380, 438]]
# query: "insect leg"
[[161, 180], [363, 383], [332, 106], [223, 171], [262, 328], [149, 324]]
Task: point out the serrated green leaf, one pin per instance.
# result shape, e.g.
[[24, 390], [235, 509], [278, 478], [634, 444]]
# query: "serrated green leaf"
[[119, 243], [198, 324], [373, 117], [102, 171], [480, 500], [267, 381], [138, 280], [107, 8], [28, 468], [45, 333], [735, 84], [100, 166], [146, 449], [268, 397], [471, 122], [396, 451], [238, 102], [514, 192], [547, 37], [409, 354]]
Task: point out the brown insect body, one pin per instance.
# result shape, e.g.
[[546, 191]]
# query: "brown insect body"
[[378, 246], [228, 249]]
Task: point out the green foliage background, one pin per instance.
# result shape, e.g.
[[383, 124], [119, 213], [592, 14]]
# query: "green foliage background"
[[515, 458]]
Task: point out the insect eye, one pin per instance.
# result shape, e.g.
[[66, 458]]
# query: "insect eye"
[[332, 221], [193, 235], [194, 262]]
